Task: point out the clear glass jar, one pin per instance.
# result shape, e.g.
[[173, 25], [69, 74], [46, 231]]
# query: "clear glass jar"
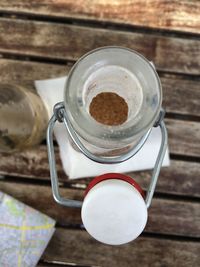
[[23, 118], [121, 71]]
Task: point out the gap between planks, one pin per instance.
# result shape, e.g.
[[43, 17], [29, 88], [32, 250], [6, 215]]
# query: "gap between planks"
[[43, 263]]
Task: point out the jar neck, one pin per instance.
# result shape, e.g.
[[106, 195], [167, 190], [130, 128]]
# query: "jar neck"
[[117, 71]]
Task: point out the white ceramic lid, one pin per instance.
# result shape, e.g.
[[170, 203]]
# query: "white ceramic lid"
[[114, 212]]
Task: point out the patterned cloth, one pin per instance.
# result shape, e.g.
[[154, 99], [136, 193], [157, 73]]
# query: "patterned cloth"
[[24, 233]]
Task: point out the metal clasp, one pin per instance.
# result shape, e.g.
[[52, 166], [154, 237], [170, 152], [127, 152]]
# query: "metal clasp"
[[60, 115]]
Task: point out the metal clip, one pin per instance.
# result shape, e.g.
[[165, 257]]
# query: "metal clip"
[[160, 118], [58, 111], [61, 115]]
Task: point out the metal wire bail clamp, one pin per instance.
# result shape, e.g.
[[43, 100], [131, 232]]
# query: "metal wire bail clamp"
[[60, 115]]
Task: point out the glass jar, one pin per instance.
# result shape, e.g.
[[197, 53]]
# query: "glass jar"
[[133, 78], [121, 71], [129, 77], [23, 118]]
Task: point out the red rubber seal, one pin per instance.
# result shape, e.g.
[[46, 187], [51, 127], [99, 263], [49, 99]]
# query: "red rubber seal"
[[117, 176]]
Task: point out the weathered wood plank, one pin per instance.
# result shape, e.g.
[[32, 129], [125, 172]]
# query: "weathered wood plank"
[[70, 42], [20, 71], [184, 137], [77, 246], [33, 163], [41, 198], [170, 15], [165, 216], [180, 94]]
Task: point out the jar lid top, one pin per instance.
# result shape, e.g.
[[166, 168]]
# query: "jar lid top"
[[114, 212]]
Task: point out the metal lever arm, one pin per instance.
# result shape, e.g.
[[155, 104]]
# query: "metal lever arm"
[[158, 164], [60, 115], [53, 172]]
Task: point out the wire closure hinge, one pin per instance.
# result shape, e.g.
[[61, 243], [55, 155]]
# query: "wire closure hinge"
[[58, 111], [160, 118]]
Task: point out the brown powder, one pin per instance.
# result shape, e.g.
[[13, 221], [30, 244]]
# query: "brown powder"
[[109, 108]]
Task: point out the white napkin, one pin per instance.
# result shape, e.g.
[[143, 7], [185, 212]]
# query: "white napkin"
[[75, 164]]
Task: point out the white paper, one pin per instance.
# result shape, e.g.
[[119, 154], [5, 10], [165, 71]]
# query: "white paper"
[[75, 164]]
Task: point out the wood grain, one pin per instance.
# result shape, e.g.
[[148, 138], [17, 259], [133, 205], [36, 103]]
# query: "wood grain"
[[22, 71], [170, 15], [180, 94], [33, 163], [60, 41], [184, 137], [165, 216], [78, 247]]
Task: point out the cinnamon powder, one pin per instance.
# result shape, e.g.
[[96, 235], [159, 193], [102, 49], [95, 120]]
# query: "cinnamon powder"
[[109, 108]]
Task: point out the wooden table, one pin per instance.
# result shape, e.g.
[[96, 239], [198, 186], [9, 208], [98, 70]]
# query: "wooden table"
[[43, 38]]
